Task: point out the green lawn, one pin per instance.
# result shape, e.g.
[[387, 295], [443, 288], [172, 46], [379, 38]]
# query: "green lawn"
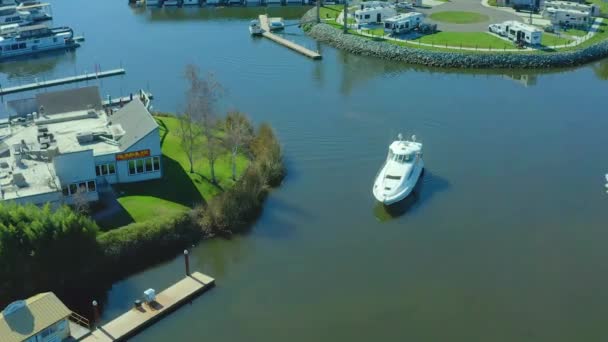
[[492, 3], [576, 32], [603, 5], [377, 31], [550, 39], [330, 12], [480, 40], [457, 17], [178, 189]]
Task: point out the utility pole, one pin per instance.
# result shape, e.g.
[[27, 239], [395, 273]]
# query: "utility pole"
[[345, 16], [318, 3]]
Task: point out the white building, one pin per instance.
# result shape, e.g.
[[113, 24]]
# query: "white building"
[[530, 4], [64, 144], [403, 22], [41, 318], [374, 14], [569, 13]]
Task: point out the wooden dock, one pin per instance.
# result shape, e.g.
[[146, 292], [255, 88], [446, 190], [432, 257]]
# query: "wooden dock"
[[134, 320], [298, 48], [60, 81], [144, 96]]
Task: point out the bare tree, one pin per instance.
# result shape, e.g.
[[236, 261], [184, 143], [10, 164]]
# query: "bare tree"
[[203, 96], [80, 201], [239, 133], [189, 128]]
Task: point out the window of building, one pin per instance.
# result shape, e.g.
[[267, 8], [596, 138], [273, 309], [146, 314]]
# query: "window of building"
[[148, 162], [131, 167], [91, 185], [156, 163], [140, 165], [105, 169]]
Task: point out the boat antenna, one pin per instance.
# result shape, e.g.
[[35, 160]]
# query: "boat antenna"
[[400, 136], [413, 137]]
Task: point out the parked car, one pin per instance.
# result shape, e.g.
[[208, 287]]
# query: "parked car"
[[496, 28]]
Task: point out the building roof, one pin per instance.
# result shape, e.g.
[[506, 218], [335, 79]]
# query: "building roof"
[[70, 100], [136, 122], [23, 319]]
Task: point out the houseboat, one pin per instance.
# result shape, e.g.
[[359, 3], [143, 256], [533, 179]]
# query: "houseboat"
[[254, 28], [10, 15], [276, 24], [38, 11], [26, 40], [400, 172]]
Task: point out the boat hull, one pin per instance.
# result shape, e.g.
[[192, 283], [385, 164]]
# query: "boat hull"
[[406, 189]]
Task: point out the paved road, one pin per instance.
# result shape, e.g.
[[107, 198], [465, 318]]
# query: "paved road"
[[494, 15]]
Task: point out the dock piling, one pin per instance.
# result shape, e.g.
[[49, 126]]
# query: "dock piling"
[[187, 261], [95, 314]]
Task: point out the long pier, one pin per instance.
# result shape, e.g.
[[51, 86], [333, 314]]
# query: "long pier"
[[60, 81], [136, 319], [298, 48]]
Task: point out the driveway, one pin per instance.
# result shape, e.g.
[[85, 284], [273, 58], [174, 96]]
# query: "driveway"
[[494, 15]]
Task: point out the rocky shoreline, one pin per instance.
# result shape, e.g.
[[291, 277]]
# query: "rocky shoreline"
[[494, 60]]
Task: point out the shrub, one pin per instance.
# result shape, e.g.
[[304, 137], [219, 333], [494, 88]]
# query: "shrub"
[[136, 244]]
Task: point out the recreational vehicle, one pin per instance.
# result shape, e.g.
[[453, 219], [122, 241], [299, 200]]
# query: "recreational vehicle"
[[374, 15], [403, 22], [567, 17], [520, 32], [373, 4]]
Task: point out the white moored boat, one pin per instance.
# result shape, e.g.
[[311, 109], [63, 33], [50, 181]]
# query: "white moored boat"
[[254, 28], [400, 172], [27, 40]]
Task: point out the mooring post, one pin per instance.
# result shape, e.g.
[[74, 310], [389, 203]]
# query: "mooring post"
[[95, 314], [187, 261]]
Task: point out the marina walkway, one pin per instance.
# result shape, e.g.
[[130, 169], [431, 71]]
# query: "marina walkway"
[[298, 48], [134, 320], [60, 81]]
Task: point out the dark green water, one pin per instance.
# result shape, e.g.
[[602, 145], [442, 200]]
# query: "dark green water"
[[504, 241]]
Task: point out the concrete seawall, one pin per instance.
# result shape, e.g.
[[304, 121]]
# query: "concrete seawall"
[[476, 60]]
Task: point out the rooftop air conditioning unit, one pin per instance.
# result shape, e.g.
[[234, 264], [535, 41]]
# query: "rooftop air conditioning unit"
[[84, 137]]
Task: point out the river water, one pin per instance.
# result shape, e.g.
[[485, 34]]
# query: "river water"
[[504, 240]]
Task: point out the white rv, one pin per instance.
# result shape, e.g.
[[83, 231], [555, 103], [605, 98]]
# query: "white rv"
[[374, 4], [569, 13], [374, 15], [403, 22], [520, 32]]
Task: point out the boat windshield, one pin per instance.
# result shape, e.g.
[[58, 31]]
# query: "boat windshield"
[[401, 158]]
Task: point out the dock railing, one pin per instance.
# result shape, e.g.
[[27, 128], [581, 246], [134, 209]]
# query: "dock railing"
[[78, 319]]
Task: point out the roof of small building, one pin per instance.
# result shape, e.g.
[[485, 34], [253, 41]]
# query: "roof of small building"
[[70, 100], [35, 314], [403, 16], [135, 120]]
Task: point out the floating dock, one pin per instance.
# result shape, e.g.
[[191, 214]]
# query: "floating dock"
[[298, 48], [60, 81], [136, 319]]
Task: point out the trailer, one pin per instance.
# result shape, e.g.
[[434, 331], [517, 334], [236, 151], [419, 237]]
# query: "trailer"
[[403, 22], [520, 32], [374, 15]]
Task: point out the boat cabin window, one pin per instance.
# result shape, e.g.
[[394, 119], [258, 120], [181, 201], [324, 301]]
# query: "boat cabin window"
[[401, 158]]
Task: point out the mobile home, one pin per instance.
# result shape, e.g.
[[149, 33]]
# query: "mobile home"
[[403, 22], [374, 15], [520, 32]]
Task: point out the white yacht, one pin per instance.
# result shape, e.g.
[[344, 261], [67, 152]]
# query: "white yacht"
[[254, 28], [400, 172], [27, 40]]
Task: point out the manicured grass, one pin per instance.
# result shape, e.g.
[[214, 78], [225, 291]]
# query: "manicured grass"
[[377, 31], [330, 12], [576, 32], [603, 5], [492, 3], [480, 40], [457, 17], [550, 39], [178, 189]]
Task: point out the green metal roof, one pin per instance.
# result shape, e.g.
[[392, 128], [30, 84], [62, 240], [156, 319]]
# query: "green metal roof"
[[23, 319]]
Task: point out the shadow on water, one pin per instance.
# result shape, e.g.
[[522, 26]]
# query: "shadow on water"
[[427, 187], [35, 65], [359, 70], [221, 13]]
